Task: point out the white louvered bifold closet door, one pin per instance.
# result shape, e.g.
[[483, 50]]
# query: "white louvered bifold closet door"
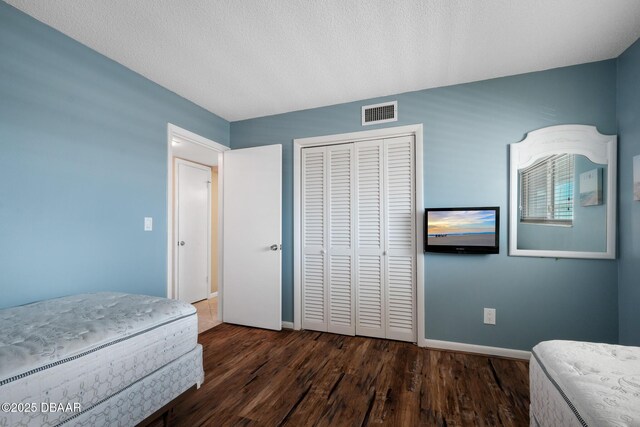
[[341, 281], [400, 250], [358, 243], [327, 214], [370, 287], [314, 292]]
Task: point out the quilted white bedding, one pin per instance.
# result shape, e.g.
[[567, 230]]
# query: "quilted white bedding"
[[584, 384], [84, 349]]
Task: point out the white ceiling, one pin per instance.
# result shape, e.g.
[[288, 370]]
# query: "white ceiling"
[[248, 58]]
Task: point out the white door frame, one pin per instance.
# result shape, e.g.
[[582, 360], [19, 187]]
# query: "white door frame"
[[390, 132], [176, 213], [175, 133]]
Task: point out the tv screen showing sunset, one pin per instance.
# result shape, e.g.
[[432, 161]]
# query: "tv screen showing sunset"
[[464, 228]]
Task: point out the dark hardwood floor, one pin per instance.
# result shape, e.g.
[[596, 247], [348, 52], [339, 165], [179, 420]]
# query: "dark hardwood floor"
[[292, 378]]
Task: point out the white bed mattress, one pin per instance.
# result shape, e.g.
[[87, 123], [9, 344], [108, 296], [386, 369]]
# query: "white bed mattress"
[[86, 348], [584, 384], [137, 401]]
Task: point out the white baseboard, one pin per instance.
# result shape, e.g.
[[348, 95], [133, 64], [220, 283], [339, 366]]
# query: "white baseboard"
[[458, 346], [213, 295], [287, 325], [479, 349]]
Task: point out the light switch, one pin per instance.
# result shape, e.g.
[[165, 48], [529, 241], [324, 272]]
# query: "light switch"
[[148, 224]]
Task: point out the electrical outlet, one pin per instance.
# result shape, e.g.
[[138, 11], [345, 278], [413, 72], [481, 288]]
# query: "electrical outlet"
[[490, 316], [148, 224]]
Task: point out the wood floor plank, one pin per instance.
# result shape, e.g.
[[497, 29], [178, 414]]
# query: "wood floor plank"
[[299, 378], [317, 400]]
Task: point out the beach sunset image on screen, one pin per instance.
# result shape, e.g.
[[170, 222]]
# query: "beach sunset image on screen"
[[468, 228]]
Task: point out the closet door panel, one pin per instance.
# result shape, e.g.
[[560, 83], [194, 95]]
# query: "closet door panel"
[[400, 229], [314, 293], [370, 294], [370, 271], [401, 298], [314, 265], [341, 235], [369, 195], [341, 310]]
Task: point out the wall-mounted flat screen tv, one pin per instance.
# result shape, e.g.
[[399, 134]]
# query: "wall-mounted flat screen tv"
[[462, 230]]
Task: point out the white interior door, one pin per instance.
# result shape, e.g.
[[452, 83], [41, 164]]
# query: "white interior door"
[[193, 219], [252, 236]]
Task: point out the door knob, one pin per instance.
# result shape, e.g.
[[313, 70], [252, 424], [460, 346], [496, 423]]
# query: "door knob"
[[322, 251], [273, 247], [181, 243]]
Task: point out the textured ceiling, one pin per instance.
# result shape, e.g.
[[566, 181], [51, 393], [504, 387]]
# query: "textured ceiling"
[[251, 58]]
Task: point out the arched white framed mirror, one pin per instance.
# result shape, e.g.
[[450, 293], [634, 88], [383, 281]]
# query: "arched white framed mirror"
[[562, 198]]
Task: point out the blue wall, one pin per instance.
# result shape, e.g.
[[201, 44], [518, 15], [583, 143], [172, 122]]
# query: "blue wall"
[[629, 210], [83, 160], [467, 129]]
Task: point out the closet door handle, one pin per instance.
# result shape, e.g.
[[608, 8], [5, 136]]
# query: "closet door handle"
[[322, 251], [273, 247]]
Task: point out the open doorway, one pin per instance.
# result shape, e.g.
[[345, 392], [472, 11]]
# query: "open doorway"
[[194, 212]]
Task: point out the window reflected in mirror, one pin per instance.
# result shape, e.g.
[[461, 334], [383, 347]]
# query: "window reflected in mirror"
[[551, 215], [547, 191]]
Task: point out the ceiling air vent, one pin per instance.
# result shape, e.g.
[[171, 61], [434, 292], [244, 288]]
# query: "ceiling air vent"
[[380, 113]]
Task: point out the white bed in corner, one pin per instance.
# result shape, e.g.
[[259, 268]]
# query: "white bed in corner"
[[119, 357], [584, 384]]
